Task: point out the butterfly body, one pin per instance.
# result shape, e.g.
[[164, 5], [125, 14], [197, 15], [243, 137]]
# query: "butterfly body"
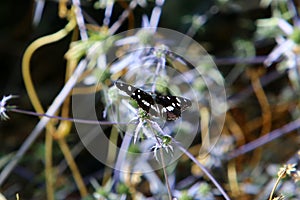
[[165, 106]]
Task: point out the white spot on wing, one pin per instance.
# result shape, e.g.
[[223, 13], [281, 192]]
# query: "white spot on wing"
[[146, 103], [178, 99], [139, 96], [173, 104], [154, 108], [170, 108], [129, 88], [168, 98]]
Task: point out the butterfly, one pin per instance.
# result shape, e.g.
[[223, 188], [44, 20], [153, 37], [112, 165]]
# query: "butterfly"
[[165, 106]]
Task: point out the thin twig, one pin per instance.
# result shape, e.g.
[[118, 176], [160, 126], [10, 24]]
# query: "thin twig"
[[122, 17], [108, 12], [44, 120], [121, 157], [205, 171], [165, 173], [294, 125], [265, 109], [244, 94], [235, 60], [163, 163], [82, 121]]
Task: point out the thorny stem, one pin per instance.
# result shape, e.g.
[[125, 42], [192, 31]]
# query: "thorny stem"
[[80, 20], [156, 13], [205, 171]]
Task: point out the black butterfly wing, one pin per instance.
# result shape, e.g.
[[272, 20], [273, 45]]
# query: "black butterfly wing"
[[172, 106], [169, 107], [144, 99]]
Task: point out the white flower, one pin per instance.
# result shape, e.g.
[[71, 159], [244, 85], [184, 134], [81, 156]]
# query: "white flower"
[[3, 107]]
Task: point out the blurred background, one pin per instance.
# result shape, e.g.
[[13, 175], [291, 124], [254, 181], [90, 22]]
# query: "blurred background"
[[255, 45]]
